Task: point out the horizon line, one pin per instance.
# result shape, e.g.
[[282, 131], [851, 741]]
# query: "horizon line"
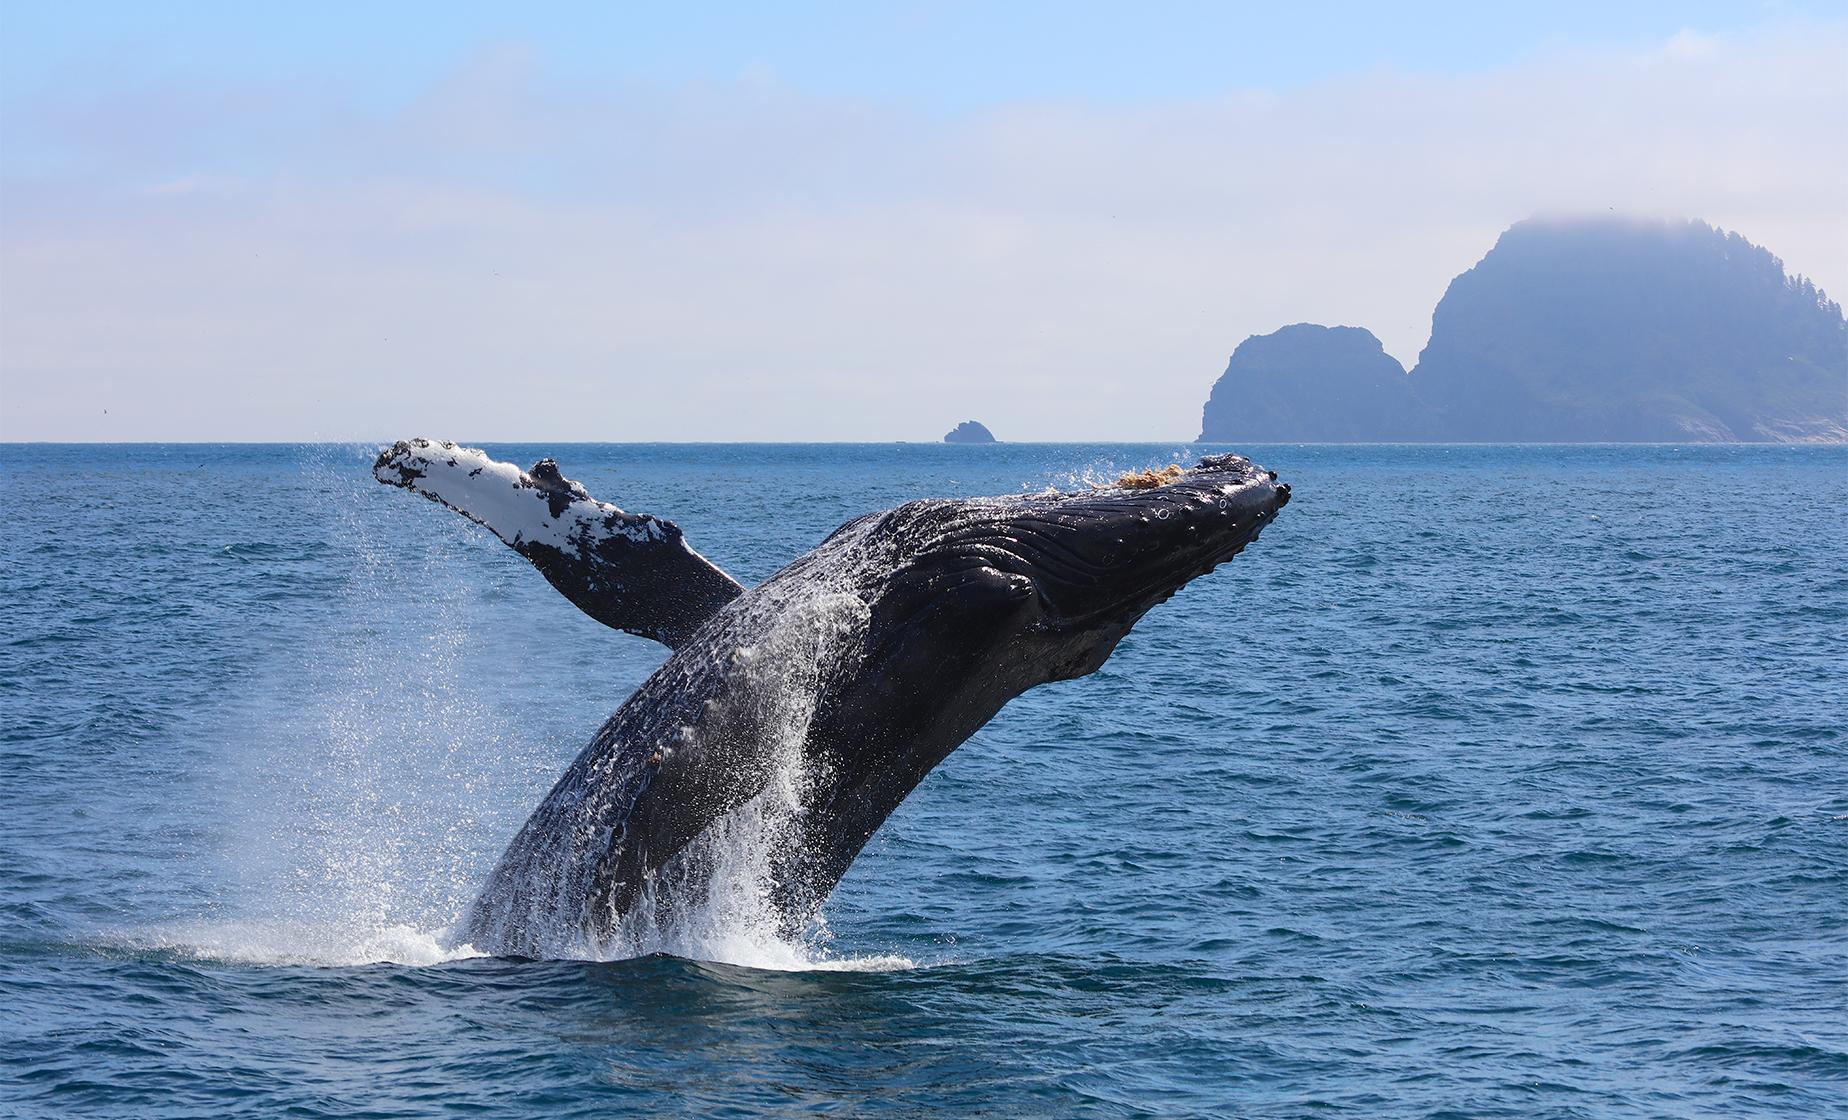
[[928, 443]]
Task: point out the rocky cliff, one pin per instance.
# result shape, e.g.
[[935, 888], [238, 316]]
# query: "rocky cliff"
[[1313, 384], [1572, 331]]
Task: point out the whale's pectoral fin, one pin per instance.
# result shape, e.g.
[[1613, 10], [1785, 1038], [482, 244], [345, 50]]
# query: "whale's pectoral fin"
[[626, 570]]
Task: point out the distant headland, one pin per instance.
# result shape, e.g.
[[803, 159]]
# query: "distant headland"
[[1572, 331], [969, 431]]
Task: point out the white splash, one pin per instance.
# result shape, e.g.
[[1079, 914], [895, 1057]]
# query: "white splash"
[[715, 900], [369, 785], [733, 915]]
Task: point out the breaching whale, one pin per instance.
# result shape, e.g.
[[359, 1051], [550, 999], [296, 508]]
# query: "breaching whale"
[[828, 691]]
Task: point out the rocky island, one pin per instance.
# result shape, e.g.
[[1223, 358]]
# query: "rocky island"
[[1308, 383], [969, 431], [1569, 331]]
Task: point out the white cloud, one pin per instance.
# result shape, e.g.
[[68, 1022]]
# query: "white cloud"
[[1689, 44], [515, 257]]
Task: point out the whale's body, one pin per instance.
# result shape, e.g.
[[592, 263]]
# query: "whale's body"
[[815, 702]]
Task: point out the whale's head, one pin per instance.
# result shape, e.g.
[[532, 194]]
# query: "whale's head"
[[1044, 585], [976, 601]]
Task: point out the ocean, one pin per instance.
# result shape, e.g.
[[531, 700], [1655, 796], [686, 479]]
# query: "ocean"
[[1494, 781]]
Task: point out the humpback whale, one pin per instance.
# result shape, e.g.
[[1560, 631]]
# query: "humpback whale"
[[822, 696]]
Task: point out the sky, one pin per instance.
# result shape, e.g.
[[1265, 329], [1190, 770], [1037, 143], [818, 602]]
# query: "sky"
[[568, 222]]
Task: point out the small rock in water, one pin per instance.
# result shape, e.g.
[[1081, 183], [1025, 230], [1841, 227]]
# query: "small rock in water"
[[969, 431]]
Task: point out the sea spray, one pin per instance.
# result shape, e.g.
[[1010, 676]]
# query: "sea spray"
[[357, 812], [715, 899]]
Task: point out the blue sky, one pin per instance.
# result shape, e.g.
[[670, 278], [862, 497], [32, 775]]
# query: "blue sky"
[[950, 56], [829, 221]]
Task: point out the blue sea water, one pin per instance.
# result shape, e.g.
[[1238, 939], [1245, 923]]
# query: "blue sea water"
[[1492, 782]]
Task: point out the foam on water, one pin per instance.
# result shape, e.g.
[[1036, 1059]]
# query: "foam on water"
[[342, 944], [338, 944]]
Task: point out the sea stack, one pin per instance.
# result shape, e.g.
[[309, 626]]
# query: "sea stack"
[[969, 431], [1313, 384]]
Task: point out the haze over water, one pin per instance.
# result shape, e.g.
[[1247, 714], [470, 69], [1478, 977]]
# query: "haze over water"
[[1492, 781]]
